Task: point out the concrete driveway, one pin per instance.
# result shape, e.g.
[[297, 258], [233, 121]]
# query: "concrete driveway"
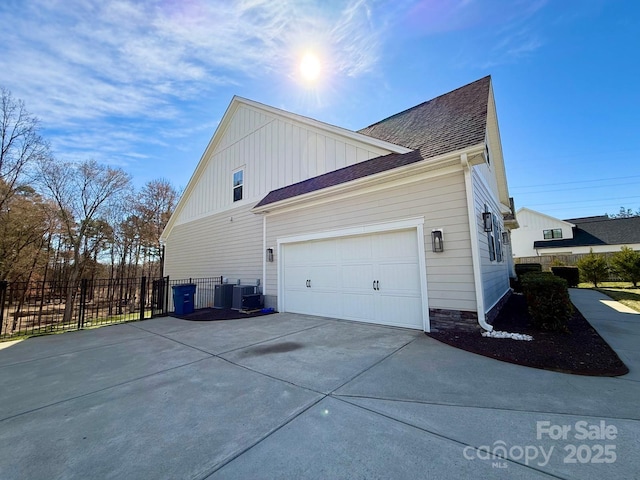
[[293, 396]]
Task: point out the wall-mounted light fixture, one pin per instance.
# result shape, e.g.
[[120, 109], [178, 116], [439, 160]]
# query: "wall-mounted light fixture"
[[505, 238], [487, 220], [269, 254], [437, 240]]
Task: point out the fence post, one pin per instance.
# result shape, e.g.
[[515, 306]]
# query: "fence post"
[[83, 298], [3, 296], [143, 296], [166, 295]]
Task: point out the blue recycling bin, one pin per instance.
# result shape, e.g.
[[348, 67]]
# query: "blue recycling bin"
[[183, 298]]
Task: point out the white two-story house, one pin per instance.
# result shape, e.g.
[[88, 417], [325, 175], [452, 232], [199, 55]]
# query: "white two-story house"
[[540, 234], [403, 223]]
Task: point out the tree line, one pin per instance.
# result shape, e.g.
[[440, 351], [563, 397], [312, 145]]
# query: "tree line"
[[68, 221]]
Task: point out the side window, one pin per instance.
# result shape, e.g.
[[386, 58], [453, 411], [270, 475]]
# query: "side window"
[[492, 247], [497, 235], [550, 234], [494, 240], [238, 182]]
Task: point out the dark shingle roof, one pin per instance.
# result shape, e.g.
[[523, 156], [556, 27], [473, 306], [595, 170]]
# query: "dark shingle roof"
[[593, 231], [450, 122], [343, 175]]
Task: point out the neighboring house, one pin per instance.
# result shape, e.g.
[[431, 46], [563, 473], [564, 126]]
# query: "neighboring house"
[[540, 234], [349, 224]]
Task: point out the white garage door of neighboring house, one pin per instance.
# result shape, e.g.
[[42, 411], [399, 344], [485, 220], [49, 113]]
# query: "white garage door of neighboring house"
[[370, 278]]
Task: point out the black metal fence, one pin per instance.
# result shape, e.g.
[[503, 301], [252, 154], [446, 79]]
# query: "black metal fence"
[[36, 307], [205, 288], [39, 307]]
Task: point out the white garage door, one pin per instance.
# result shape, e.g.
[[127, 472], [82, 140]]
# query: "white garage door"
[[370, 278]]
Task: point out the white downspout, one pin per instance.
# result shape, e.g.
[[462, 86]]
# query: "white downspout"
[[475, 244], [264, 253]]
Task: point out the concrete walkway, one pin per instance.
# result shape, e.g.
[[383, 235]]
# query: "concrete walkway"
[[292, 396], [618, 324]]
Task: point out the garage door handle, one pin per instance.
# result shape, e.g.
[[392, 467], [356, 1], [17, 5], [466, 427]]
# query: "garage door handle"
[[376, 284]]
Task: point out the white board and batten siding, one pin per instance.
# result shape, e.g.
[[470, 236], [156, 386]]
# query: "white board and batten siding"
[[211, 234], [440, 202], [495, 274], [274, 152]]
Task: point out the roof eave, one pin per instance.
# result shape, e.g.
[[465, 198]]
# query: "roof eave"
[[427, 164]]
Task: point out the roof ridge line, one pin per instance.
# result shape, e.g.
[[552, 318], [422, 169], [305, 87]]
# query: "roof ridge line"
[[422, 103]]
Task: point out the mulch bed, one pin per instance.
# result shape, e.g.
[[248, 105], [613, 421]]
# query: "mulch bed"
[[582, 351], [213, 314]]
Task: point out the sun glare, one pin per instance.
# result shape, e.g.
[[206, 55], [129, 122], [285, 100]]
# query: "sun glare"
[[310, 67]]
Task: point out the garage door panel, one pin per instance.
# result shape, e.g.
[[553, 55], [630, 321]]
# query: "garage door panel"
[[295, 254], [322, 251], [324, 276], [358, 306], [298, 302], [396, 246], [356, 249], [400, 278], [324, 304], [357, 278], [400, 311], [296, 277], [343, 271]]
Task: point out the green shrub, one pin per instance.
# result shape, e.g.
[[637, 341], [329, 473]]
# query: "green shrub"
[[593, 268], [570, 274], [626, 264], [524, 268], [547, 300]]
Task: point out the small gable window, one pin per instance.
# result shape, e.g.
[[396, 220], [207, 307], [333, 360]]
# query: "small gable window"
[[238, 182], [486, 153], [553, 233]]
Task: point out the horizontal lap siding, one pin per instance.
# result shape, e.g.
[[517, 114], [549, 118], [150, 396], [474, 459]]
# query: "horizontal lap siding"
[[216, 245], [442, 203], [495, 275]]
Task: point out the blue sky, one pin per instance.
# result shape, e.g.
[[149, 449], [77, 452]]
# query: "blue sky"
[[142, 84]]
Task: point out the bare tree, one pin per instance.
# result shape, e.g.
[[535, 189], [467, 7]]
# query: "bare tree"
[[20, 142], [155, 204], [24, 229], [83, 194]]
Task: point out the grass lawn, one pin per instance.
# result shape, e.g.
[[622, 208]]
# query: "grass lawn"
[[623, 292]]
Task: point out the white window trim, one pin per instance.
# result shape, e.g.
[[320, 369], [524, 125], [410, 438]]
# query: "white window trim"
[[241, 185]]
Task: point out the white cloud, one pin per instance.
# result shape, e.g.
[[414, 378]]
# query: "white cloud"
[[79, 63]]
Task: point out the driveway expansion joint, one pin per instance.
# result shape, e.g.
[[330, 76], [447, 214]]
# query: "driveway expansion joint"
[[445, 438], [26, 412], [261, 439]]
